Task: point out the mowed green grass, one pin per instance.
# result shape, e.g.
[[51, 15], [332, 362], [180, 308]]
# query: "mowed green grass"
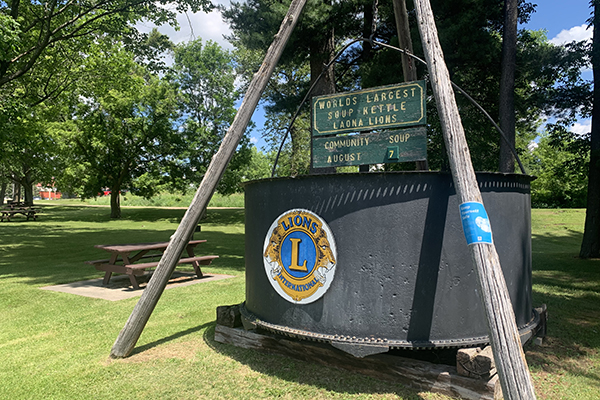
[[567, 366], [56, 346]]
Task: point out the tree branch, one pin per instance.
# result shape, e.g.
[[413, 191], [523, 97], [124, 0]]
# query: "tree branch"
[[46, 35]]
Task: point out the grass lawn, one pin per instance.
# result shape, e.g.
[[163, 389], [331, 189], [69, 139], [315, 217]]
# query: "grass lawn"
[[56, 346]]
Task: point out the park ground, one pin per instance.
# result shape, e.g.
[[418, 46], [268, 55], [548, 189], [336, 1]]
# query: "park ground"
[[56, 345]]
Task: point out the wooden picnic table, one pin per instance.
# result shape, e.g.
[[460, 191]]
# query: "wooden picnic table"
[[8, 212], [123, 258]]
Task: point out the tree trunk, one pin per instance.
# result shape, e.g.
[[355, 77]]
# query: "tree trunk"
[[3, 187], [28, 194], [320, 55], [409, 70], [507, 86], [404, 40], [367, 50], [28, 189], [115, 203], [590, 246]]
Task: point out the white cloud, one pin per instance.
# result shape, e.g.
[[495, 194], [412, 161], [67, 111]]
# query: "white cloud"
[[208, 26], [253, 140], [576, 33], [582, 128], [532, 146]]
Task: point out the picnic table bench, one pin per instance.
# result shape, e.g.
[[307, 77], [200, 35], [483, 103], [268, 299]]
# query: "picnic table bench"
[[123, 259], [11, 211]]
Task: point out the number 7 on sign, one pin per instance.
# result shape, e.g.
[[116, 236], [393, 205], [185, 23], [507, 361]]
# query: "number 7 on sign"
[[392, 153]]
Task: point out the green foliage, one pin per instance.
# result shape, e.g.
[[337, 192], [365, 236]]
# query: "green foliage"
[[43, 47], [52, 28], [9, 37], [294, 158], [122, 129], [259, 166], [547, 75], [205, 77], [162, 199], [561, 174], [255, 22], [27, 154], [284, 94]]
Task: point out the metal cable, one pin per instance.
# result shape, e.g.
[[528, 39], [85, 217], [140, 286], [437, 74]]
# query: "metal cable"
[[373, 42]]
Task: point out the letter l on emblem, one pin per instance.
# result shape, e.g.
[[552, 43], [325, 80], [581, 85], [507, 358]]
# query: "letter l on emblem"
[[296, 256]]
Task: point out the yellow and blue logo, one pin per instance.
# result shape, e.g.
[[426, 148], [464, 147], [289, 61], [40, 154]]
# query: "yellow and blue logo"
[[300, 256]]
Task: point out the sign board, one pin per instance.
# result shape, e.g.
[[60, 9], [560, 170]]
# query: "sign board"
[[383, 107], [370, 148]]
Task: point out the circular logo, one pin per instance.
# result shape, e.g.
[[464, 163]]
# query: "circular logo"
[[300, 256]]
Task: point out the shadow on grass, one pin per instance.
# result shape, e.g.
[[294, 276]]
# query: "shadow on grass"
[[54, 249], [569, 286], [172, 337], [307, 373]]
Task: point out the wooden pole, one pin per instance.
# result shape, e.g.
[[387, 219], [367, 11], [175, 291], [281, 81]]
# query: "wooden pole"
[[404, 40], [506, 344], [134, 326]]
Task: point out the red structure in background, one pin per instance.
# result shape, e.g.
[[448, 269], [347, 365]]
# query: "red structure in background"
[[48, 193]]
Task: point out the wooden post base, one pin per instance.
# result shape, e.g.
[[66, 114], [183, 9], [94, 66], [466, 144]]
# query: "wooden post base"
[[476, 363], [418, 374]]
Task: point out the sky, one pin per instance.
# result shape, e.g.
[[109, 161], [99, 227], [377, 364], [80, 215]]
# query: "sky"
[[564, 21]]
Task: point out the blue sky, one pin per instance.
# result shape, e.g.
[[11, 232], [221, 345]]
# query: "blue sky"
[[563, 21]]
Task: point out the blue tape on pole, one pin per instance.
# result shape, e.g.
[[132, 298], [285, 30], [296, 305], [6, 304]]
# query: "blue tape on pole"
[[475, 222]]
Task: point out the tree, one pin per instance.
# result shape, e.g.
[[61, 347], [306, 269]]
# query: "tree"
[[364, 66], [32, 28], [590, 246], [294, 157], [507, 85], [284, 93], [255, 22], [26, 152], [41, 52], [259, 166], [310, 48], [122, 132], [560, 168], [205, 77]]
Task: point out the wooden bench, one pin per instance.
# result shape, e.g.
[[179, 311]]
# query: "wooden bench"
[[121, 260], [7, 214], [133, 270]]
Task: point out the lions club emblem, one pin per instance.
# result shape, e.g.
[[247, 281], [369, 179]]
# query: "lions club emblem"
[[300, 256]]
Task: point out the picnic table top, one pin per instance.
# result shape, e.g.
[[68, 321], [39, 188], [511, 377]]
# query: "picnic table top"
[[13, 206], [125, 248]]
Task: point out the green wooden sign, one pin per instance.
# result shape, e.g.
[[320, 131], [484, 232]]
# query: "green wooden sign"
[[383, 107], [370, 148]]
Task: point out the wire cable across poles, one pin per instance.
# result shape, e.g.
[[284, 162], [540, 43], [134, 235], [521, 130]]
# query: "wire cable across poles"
[[374, 42]]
